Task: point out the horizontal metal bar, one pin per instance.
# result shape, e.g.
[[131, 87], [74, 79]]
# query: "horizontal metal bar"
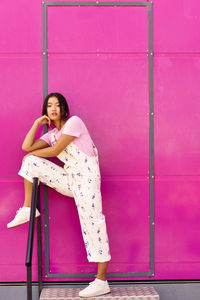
[[97, 3], [125, 274], [111, 282]]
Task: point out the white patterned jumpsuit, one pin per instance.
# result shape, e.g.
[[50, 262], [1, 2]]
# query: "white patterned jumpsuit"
[[79, 178]]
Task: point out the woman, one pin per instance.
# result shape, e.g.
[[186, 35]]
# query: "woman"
[[79, 178]]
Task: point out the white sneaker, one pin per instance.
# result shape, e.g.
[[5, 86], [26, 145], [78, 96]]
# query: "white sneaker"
[[95, 288], [22, 216]]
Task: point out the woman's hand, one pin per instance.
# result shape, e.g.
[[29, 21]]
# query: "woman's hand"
[[29, 143], [43, 120]]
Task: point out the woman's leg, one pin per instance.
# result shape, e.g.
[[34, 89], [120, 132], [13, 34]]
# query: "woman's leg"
[[100, 285], [92, 221], [28, 187], [23, 214], [102, 270], [49, 174], [87, 195]]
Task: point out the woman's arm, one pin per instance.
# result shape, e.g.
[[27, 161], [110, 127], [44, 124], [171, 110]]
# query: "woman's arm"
[[29, 143], [63, 141]]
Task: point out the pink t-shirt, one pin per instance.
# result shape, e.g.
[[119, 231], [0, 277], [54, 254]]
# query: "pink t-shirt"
[[74, 126]]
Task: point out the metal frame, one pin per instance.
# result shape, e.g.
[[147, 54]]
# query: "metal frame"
[[151, 134]]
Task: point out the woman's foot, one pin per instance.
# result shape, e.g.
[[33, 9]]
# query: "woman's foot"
[[96, 288], [22, 216]]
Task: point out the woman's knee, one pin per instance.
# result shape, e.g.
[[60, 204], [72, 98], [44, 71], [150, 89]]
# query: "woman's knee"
[[32, 159], [32, 164], [26, 161]]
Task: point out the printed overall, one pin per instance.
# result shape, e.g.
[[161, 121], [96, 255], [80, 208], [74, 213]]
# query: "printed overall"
[[79, 178]]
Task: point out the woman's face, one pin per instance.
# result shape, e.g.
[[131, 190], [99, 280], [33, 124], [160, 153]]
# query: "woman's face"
[[53, 109]]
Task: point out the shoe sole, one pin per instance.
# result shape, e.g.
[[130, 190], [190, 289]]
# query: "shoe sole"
[[12, 226]]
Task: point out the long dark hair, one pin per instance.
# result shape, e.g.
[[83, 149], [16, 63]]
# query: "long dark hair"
[[64, 108]]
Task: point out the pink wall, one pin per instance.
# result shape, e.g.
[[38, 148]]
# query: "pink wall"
[[97, 57]]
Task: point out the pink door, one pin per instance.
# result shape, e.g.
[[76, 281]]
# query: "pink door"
[[96, 65]]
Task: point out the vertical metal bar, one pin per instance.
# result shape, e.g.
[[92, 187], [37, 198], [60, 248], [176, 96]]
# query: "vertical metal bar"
[[44, 29], [151, 139], [31, 238], [32, 222], [46, 230], [45, 80], [39, 243], [29, 283]]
